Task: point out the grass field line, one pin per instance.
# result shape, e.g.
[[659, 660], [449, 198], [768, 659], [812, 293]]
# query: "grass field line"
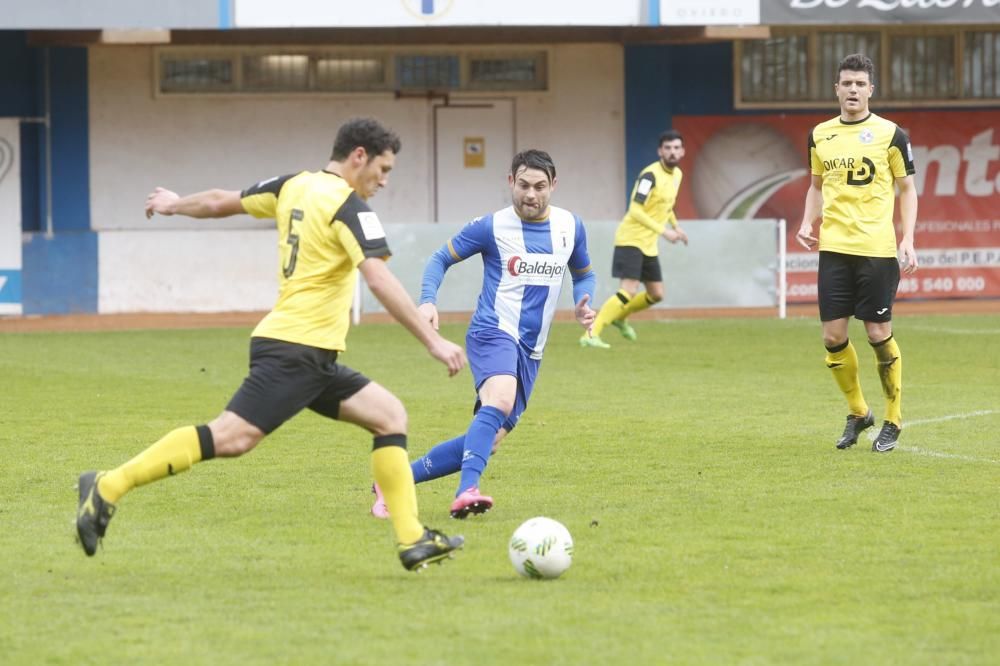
[[952, 456], [954, 331], [951, 417], [941, 419]]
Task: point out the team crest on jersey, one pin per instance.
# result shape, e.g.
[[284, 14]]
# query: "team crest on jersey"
[[537, 269], [866, 136], [371, 227]]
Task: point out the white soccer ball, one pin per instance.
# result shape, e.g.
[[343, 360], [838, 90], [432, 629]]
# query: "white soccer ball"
[[541, 548]]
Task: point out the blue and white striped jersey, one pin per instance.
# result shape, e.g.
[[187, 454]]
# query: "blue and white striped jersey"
[[524, 264]]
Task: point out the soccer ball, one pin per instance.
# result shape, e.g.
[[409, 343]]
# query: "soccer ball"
[[541, 548]]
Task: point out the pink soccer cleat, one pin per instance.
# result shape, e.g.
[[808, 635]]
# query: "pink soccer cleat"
[[470, 501], [379, 509]]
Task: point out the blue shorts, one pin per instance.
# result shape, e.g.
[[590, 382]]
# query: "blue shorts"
[[493, 352]]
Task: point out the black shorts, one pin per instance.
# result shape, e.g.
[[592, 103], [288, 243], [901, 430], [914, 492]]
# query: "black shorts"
[[861, 286], [629, 263], [286, 378]]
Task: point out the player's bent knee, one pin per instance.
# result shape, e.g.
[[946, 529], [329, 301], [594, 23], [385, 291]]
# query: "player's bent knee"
[[503, 404], [833, 341], [392, 417], [234, 438]]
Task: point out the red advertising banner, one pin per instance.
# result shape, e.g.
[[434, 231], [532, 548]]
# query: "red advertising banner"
[[744, 167]]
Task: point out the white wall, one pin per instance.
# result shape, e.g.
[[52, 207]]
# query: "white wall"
[[227, 270], [206, 270], [191, 143]]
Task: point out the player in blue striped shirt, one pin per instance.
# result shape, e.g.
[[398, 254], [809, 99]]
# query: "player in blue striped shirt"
[[527, 249]]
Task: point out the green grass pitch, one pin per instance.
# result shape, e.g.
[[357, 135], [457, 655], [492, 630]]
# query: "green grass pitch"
[[714, 521]]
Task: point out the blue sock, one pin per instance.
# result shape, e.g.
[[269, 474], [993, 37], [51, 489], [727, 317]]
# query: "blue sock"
[[442, 460], [478, 444]]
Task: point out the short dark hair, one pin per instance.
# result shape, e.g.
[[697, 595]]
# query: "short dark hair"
[[367, 133], [670, 135], [534, 159], [857, 62]]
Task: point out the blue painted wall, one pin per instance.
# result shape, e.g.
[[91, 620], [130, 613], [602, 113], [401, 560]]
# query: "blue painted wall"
[[661, 81], [60, 273], [70, 140]]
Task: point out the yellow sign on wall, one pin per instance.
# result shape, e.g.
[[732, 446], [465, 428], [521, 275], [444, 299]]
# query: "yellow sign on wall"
[[475, 152]]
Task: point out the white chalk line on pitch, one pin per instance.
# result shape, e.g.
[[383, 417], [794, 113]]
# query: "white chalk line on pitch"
[[953, 331], [941, 419]]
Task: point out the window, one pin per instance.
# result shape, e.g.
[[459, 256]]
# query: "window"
[[264, 70], [276, 72], [350, 73], [499, 72], [981, 65], [196, 74], [923, 67], [775, 69], [797, 67], [427, 72]]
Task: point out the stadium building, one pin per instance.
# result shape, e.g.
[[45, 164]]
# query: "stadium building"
[[100, 102]]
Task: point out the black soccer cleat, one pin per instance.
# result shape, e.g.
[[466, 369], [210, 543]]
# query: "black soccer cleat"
[[855, 426], [433, 546], [93, 513], [887, 438]]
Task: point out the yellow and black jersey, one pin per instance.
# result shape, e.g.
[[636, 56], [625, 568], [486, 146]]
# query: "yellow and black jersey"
[[324, 231], [650, 209], [859, 162]]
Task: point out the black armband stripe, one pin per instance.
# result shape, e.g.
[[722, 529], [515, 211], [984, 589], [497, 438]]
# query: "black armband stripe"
[[269, 186], [348, 215], [640, 196], [901, 142]]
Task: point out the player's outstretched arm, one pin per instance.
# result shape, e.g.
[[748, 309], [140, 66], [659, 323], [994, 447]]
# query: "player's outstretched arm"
[[390, 293], [208, 204], [813, 210]]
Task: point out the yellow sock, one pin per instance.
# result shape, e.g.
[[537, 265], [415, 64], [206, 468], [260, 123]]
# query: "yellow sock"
[[391, 470], [843, 362], [890, 371], [172, 454], [638, 303], [613, 308]]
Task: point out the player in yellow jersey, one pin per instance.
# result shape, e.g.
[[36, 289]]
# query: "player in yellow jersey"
[[857, 161], [636, 256], [326, 235]]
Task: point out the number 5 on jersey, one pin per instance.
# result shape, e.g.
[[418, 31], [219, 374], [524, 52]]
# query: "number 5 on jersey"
[[292, 240]]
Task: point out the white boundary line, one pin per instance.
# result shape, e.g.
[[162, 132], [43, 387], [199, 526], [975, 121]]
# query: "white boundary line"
[[952, 417], [953, 456], [953, 331], [941, 419]]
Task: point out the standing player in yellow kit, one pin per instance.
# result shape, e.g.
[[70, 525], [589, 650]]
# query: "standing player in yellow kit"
[[858, 160]]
